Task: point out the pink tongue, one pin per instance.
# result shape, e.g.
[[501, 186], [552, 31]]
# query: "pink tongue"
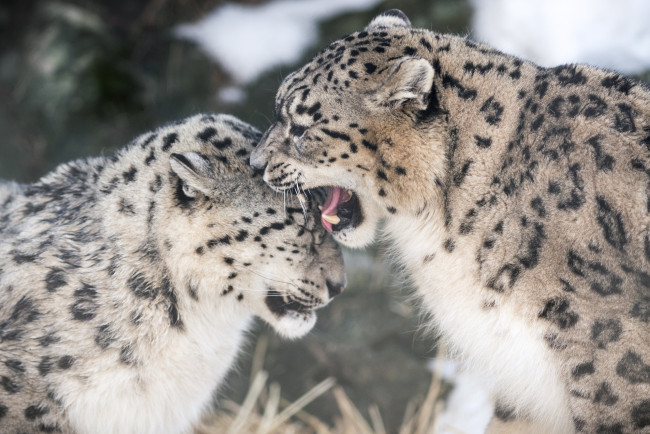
[[332, 201], [335, 195]]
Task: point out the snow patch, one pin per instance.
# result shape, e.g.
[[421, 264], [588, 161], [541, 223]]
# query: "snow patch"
[[612, 35], [231, 95], [468, 408], [248, 40]]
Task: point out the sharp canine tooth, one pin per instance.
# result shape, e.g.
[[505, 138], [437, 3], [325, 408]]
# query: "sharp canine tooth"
[[320, 207], [334, 219]]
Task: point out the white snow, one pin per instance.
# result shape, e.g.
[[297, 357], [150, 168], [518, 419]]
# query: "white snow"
[[468, 408], [249, 40], [613, 34], [231, 94]]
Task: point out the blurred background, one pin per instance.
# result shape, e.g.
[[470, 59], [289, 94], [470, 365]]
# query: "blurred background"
[[83, 77]]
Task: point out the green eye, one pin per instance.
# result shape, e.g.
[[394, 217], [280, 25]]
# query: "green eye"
[[297, 130]]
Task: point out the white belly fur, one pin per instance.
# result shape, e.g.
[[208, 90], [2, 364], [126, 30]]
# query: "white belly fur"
[[167, 393], [501, 346]]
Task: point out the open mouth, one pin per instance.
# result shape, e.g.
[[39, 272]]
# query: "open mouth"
[[340, 210], [281, 306]]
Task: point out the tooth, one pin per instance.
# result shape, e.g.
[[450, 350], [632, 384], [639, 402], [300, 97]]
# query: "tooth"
[[334, 219], [320, 207]]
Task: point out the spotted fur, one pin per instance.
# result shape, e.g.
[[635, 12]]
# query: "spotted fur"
[[127, 282], [517, 198]]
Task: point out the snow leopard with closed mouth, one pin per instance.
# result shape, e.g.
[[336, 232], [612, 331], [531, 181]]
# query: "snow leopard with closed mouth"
[[516, 197], [127, 282]]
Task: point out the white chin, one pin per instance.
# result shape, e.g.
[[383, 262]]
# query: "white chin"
[[366, 232], [294, 325], [356, 238], [359, 236]]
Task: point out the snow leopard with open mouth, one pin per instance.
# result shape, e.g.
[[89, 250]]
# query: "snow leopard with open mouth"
[[516, 197]]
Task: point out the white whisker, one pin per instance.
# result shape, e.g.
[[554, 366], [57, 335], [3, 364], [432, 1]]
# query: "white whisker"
[[299, 195], [303, 182], [271, 278], [284, 198]]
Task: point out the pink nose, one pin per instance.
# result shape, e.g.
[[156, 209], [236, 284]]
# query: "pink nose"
[[334, 289]]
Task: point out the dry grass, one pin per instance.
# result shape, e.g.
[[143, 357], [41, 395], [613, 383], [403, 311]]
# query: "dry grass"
[[264, 411]]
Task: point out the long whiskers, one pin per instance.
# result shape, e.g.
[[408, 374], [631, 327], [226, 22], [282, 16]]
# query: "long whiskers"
[[303, 181], [284, 202], [273, 279], [300, 197]]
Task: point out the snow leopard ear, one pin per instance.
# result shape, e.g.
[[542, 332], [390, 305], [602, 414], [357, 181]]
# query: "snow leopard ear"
[[195, 173], [388, 19], [407, 85]]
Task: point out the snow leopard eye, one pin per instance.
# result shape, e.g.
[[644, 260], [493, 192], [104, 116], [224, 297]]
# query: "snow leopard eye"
[[297, 131]]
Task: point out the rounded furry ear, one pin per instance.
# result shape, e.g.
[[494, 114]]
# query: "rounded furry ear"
[[390, 18], [407, 84], [194, 171]]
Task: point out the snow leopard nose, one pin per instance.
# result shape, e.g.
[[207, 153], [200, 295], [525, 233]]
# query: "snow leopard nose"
[[334, 289], [258, 160], [259, 155], [330, 267]]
